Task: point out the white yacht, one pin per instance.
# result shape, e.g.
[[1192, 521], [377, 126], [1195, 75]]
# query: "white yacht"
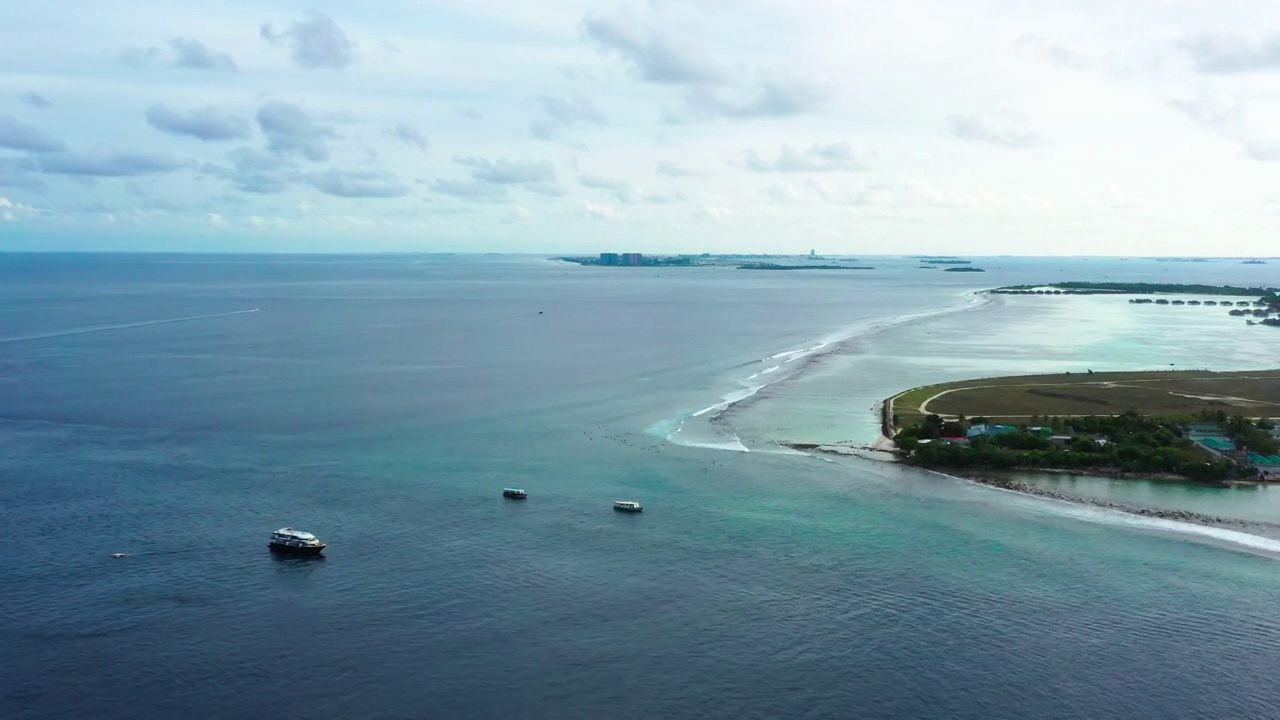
[[295, 542], [627, 506]]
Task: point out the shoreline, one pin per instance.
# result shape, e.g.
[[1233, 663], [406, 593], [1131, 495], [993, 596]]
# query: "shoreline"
[[1189, 516], [1016, 486], [975, 299]]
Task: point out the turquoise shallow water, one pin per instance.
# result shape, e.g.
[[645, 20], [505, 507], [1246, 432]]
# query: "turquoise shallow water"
[[384, 402], [1007, 335]]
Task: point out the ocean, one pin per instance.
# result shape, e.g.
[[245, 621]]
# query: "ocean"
[[180, 408]]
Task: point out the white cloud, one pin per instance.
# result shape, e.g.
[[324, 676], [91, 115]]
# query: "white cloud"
[[292, 130], [354, 183], [1038, 203], [1054, 53], [316, 42], [562, 112], [783, 191], [1233, 53], [768, 97], [275, 223], [207, 123], [12, 211], [509, 172], [1113, 198], [901, 194], [716, 212], [657, 54], [976, 129], [598, 212], [832, 157], [1236, 120], [408, 135], [672, 169], [930, 123], [518, 215], [15, 135]]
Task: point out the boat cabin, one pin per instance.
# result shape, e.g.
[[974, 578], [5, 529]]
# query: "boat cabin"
[[627, 506], [516, 493], [288, 540]]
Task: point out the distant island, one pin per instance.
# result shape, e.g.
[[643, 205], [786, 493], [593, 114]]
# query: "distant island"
[[610, 259], [775, 266], [964, 269], [1254, 262], [741, 261], [947, 261], [1136, 288], [1258, 311]]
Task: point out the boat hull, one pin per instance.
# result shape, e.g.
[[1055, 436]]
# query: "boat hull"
[[294, 550], [628, 510], [515, 496]]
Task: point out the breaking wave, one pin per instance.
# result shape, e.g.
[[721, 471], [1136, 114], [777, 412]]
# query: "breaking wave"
[[707, 427]]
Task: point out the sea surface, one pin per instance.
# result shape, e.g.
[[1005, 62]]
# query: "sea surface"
[[180, 408]]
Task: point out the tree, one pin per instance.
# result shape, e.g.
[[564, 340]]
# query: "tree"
[[931, 428], [1235, 425]]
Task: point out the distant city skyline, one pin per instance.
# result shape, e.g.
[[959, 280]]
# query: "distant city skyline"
[[971, 128]]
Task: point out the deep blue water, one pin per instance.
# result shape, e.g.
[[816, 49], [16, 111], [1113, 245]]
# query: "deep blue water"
[[383, 402]]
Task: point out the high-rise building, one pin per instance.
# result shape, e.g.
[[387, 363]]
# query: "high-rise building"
[[631, 258], [608, 258]]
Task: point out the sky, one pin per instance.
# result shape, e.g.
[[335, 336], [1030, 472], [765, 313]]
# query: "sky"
[[559, 126]]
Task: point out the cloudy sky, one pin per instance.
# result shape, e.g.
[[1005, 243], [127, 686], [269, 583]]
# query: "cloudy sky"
[[1086, 127]]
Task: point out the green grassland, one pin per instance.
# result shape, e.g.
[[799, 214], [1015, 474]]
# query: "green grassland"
[[1254, 393]]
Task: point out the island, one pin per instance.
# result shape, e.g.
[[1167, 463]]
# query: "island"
[[1186, 425], [704, 260], [1136, 288], [775, 266], [1261, 310], [964, 269]]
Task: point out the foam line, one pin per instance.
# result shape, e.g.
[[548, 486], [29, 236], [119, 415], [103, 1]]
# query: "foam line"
[[121, 326]]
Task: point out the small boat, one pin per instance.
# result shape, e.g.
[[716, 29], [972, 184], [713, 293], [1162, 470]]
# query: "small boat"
[[288, 541], [515, 493], [627, 506]]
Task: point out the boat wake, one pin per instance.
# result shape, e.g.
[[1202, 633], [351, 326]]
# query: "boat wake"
[[120, 326]]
